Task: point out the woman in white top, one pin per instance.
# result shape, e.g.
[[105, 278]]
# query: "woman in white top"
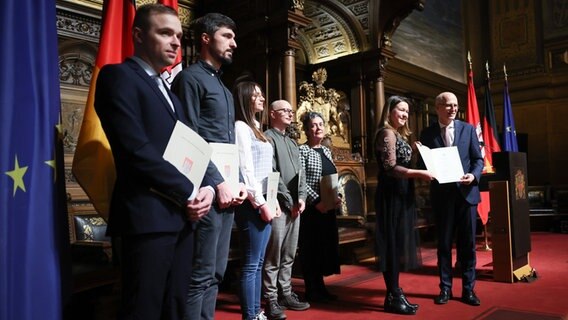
[[253, 216]]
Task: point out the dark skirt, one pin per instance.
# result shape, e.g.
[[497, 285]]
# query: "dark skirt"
[[319, 242], [397, 240]]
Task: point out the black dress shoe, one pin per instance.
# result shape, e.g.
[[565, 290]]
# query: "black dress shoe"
[[469, 297], [443, 297]]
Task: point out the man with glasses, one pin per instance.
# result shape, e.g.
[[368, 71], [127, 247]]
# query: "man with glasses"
[[283, 242], [455, 204]]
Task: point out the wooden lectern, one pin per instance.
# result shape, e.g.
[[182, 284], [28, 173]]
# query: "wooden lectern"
[[510, 217]]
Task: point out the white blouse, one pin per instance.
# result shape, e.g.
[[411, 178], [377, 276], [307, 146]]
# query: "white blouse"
[[255, 162]]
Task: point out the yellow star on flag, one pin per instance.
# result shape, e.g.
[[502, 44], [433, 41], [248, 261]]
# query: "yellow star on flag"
[[52, 163], [18, 176]]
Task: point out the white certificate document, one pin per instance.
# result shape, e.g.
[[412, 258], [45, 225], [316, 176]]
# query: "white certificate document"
[[226, 158], [328, 191], [272, 190], [443, 163], [188, 152]]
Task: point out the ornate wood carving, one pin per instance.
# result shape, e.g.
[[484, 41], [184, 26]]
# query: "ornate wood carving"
[[75, 69], [77, 26], [297, 5], [333, 106]]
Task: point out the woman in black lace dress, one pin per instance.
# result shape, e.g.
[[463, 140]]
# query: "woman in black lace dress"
[[397, 239]]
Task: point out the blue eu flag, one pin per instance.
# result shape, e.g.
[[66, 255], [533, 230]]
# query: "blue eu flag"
[[30, 218], [509, 132]]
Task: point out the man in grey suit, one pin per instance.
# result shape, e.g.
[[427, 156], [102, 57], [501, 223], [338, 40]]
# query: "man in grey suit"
[[283, 242]]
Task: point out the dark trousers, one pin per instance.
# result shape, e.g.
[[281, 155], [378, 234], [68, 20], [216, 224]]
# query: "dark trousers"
[[211, 251], [455, 216], [149, 268]]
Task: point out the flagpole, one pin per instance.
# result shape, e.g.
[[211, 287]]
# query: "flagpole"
[[485, 246]]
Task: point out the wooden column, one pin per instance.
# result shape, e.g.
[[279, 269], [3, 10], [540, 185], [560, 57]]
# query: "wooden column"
[[289, 77], [379, 100], [385, 54], [360, 129], [296, 20]]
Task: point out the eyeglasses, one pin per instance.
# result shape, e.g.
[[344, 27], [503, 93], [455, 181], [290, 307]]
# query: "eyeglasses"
[[290, 111]]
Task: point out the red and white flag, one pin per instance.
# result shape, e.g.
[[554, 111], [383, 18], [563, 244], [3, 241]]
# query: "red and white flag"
[[472, 117], [169, 73]]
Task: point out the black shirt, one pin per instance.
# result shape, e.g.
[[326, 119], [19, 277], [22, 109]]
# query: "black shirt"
[[209, 106]]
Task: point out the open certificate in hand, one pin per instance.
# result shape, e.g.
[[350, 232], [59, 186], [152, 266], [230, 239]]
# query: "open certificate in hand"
[[226, 158], [444, 163], [272, 190], [188, 152]]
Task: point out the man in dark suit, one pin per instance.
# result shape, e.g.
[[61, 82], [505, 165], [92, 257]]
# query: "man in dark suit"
[[150, 205], [455, 204], [212, 114]]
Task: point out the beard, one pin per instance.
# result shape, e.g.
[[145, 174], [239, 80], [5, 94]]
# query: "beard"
[[222, 57], [225, 60]]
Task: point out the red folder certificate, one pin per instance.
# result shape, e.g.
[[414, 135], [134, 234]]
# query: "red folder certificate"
[[226, 158], [188, 152]]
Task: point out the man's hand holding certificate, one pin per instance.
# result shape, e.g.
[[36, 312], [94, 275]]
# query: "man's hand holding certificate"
[[444, 163]]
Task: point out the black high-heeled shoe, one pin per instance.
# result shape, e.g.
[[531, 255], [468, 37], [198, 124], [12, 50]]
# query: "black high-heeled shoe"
[[403, 297], [394, 303]]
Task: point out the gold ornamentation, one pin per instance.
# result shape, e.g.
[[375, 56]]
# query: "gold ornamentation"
[[298, 5], [331, 104], [520, 185]]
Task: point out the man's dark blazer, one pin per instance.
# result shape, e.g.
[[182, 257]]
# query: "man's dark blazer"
[[149, 194], [465, 138]]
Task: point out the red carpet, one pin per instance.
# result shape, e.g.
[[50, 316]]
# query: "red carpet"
[[361, 290]]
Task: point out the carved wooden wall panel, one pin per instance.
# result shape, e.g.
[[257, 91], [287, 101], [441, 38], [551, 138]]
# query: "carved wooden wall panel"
[[514, 36]]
